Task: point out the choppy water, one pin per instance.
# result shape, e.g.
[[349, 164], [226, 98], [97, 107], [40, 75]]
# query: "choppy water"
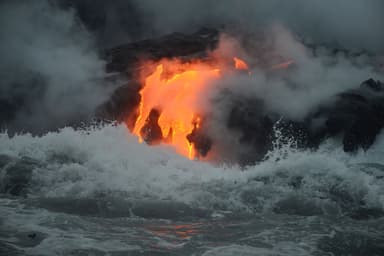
[[99, 192]]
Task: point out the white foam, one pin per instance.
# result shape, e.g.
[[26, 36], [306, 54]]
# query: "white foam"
[[100, 159]]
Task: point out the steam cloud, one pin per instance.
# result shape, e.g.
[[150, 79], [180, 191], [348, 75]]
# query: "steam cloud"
[[353, 24], [356, 24], [49, 68], [315, 76]]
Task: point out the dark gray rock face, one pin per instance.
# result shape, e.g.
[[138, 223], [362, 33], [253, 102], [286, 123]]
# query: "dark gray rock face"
[[249, 119], [124, 58], [121, 105], [357, 115]]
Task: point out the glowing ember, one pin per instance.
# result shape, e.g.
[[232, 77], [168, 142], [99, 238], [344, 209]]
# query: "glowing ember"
[[240, 64]]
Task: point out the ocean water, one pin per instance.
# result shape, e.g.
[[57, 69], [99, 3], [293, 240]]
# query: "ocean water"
[[98, 191]]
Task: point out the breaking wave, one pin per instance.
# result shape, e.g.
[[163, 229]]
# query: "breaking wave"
[[107, 161], [97, 191]]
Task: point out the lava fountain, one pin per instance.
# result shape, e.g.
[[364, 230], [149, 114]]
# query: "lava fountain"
[[170, 110]]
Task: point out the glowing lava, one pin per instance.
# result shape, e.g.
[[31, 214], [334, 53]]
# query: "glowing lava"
[[170, 108], [172, 91], [240, 64]]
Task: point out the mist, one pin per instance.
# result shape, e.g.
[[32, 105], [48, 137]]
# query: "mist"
[[352, 24], [51, 74], [355, 24], [315, 77], [312, 79]]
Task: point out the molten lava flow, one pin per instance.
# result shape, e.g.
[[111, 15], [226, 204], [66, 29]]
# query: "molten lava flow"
[[240, 64], [169, 108]]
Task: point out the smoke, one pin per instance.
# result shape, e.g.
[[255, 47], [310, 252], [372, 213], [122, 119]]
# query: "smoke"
[[314, 76], [356, 24], [293, 92], [111, 22], [51, 74], [352, 24]]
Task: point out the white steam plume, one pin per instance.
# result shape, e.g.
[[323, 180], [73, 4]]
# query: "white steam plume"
[[48, 67], [354, 24], [314, 78]]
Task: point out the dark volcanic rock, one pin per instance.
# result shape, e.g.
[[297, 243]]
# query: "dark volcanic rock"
[[255, 127], [356, 115], [151, 131], [122, 104], [126, 57], [201, 142]]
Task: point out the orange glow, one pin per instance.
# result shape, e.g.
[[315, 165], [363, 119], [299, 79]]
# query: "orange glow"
[[240, 64], [170, 109], [173, 90]]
